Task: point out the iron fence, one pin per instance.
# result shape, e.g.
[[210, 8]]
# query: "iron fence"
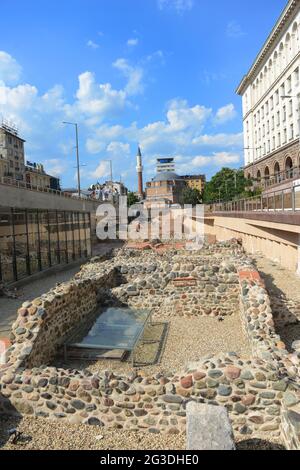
[[285, 200]]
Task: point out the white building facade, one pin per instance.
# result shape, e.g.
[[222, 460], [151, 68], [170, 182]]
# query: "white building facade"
[[271, 103]]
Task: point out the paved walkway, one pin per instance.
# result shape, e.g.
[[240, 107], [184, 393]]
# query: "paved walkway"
[[284, 290], [9, 307]]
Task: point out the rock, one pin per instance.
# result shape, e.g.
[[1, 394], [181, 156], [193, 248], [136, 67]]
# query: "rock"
[[42, 383], [246, 375], [199, 376], [248, 400], [172, 399], [240, 408], [290, 399], [280, 386], [296, 345], [24, 407], [77, 404], [215, 374], [94, 422], [232, 372], [208, 428], [187, 382], [224, 390]]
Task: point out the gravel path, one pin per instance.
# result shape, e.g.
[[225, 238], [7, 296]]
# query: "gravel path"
[[284, 290], [45, 435], [40, 434], [9, 307], [188, 340]]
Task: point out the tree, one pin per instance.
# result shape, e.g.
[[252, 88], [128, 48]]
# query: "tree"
[[132, 199], [227, 185], [192, 196]]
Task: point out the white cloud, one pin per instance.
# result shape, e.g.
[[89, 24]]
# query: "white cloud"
[[10, 70], [219, 140], [102, 170], [118, 149], [191, 164], [234, 30], [55, 167], [92, 44], [134, 76], [96, 100], [181, 132], [226, 113], [132, 42], [179, 5], [94, 146]]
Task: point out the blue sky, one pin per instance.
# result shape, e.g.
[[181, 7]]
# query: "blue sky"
[[161, 73]]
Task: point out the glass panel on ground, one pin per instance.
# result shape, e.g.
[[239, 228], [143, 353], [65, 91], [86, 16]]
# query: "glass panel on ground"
[[115, 328]]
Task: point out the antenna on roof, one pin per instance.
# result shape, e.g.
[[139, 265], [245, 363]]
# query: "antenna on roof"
[[9, 126]]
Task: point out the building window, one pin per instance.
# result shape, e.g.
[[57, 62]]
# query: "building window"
[[289, 84], [277, 98], [267, 107], [291, 108], [271, 103], [279, 140], [292, 132], [296, 77], [285, 136], [284, 113], [273, 123], [278, 118], [273, 143]]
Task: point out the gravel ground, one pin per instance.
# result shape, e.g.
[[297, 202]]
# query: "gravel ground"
[[40, 434], [284, 290], [187, 340]]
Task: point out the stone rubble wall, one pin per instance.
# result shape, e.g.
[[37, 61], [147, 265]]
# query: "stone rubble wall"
[[258, 322], [260, 393], [44, 323], [249, 389]]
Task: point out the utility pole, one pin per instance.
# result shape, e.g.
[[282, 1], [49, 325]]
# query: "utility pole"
[[77, 154]]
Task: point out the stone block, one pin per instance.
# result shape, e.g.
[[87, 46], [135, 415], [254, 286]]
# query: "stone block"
[[208, 428]]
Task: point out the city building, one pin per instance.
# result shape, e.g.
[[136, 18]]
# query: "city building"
[[12, 159], [195, 182], [36, 175], [271, 104], [139, 169], [165, 164], [165, 188], [109, 191]]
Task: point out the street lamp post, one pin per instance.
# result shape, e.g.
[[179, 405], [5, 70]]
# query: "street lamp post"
[[77, 154], [111, 171]]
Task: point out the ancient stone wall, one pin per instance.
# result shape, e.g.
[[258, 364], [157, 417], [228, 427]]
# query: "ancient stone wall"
[[260, 392]]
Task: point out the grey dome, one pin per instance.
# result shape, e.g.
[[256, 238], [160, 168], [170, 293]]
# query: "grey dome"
[[167, 176]]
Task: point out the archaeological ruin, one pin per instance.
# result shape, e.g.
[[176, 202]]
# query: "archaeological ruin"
[[259, 387]]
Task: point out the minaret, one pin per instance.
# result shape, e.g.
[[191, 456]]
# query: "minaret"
[[139, 169]]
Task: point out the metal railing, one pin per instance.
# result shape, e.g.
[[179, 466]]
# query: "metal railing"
[[278, 178], [285, 200], [7, 181]]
